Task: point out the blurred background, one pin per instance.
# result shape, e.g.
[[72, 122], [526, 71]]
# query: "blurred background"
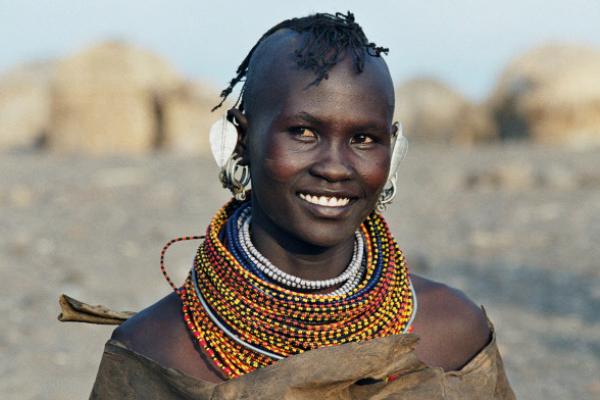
[[104, 115]]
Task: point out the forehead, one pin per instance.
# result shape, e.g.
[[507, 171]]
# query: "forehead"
[[276, 84]]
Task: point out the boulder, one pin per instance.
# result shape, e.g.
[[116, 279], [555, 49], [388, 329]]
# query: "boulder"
[[107, 99], [507, 176], [25, 105], [551, 95], [430, 111]]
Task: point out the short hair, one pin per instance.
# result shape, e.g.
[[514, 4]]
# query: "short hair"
[[329, 36]]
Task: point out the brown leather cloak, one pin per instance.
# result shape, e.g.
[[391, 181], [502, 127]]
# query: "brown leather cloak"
[[330, 373]]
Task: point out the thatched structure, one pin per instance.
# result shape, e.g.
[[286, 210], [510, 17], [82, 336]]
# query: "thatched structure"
[[186, 118], [25, 105], [551, 94], [433, 112], [105, 99]]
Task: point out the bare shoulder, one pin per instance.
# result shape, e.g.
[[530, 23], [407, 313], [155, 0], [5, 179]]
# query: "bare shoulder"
[[159, 333], [451, 327]]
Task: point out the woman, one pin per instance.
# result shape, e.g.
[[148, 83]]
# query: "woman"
[[302, 261]]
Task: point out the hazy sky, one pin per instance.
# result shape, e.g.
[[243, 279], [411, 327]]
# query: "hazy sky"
[[466, 43]]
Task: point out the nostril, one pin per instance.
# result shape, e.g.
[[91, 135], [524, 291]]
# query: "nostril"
[[332, 172], [333, 167]]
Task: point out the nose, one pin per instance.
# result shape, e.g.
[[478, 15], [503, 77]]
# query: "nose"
[[333, 164]]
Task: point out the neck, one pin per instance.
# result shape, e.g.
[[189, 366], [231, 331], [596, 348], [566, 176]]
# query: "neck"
[[295, 256]]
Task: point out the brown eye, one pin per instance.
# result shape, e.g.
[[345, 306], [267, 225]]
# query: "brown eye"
[[362, 139], [303, 133]]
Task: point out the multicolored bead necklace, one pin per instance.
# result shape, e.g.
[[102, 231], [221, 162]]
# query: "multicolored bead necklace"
[[256, 260], [243, 320]]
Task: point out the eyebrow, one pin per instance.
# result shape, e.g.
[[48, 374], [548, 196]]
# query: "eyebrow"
[[311, 119], [308, 118]]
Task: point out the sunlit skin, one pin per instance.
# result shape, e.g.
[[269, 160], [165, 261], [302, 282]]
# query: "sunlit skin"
[[332, 138]]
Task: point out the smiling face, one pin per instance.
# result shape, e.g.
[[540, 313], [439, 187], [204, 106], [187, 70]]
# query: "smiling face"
[[319, 154]]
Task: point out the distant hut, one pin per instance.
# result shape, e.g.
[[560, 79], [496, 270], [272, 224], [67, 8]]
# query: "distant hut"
[[551, 95], [430, 111], [105, 100], [25, 105], [187, 117]]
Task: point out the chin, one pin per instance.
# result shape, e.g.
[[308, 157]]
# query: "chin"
[[326, 233], [326, 228]]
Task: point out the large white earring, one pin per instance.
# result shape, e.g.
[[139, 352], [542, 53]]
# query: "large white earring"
[[223, 138], [398, 153]]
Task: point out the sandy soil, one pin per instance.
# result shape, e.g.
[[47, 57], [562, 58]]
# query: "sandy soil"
[[516, 228]]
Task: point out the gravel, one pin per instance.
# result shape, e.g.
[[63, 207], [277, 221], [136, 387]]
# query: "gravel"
[[516, 227]]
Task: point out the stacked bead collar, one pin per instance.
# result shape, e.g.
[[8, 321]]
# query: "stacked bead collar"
[[245, 251], [243, 319]]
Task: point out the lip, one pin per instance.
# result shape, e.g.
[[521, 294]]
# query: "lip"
[[329, 212], [330, 193]]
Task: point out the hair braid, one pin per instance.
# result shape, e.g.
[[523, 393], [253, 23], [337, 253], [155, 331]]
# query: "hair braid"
[[329, 36]]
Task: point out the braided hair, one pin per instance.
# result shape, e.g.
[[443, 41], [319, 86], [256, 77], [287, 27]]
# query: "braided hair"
[[328, 38]]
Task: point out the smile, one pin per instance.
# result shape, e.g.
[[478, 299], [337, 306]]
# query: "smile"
[[325, 201]]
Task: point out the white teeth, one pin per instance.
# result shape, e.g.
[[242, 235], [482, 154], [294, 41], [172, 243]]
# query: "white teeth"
[[325, 201]]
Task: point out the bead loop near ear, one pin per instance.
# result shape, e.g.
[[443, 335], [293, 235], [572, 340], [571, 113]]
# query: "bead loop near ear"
[[235, 177], [398, 153]]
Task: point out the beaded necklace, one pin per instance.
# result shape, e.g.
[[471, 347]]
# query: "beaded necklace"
[[259, 264], [243, 320]]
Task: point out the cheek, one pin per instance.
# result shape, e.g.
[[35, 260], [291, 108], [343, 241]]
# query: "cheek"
[[276, 161], [374, 173]]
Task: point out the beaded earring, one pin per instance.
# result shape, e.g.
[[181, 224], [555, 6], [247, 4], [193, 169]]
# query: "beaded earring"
[[398, 153], [235, 177]]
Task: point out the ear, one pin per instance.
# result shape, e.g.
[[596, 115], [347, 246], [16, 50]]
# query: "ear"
[[395, 128], [240, 121]]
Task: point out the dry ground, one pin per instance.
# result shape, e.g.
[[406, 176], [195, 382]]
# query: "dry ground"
[[516, 227]]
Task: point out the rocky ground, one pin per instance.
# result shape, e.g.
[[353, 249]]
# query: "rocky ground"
[[515, 227]]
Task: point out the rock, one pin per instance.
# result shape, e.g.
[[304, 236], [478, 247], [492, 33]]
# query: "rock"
[[25, 105], [559, 177], [507, 176], [431, 111], [107, 98], [551, 95], [21, 196], [116, 177], [187, 118], [490, 240], [589, 179]]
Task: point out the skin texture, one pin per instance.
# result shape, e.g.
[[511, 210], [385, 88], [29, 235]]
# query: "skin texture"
[[330, 139], [334, 138]]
